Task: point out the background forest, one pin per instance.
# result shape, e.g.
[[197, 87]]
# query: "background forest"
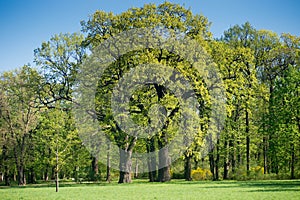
[[260, 71]]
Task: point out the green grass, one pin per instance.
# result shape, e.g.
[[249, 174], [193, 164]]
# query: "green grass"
[[174, 190]]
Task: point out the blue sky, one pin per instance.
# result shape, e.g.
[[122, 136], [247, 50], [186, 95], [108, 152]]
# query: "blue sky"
[[26, 24]]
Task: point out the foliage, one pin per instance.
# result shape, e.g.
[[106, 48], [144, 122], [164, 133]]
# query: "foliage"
[[200, 174], [260, 71]]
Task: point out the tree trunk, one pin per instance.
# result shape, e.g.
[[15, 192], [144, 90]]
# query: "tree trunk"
[[6, 168], [46, 175], [212, 164], [108, 174], [163, 161], [136, 169], [125, 166], [6, 176], [31, 176], [76, 169], [187, 168], [239, 157], [151, 159], [247, 144], [293, 161], [56, 168], [217, 160], [225, 165], [266, 168], [196, 163], [232, 153], [95, 169], [21, 176]]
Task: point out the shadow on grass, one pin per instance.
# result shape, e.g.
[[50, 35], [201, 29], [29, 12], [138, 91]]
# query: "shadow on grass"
[[251, 186], [61, 185], [260, 186], [277, 190]]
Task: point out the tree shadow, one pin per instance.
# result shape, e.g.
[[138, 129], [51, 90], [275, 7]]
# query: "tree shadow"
[[260, 186]]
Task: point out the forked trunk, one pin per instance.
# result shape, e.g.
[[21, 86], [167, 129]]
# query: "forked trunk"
[[21, 176]]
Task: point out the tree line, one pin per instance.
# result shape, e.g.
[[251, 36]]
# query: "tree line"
[[261, 76]]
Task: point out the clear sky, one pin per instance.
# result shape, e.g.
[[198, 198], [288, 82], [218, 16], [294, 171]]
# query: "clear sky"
[[25, 24]]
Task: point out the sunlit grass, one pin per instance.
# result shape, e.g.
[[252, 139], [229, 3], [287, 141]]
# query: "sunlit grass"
[[174, 190]]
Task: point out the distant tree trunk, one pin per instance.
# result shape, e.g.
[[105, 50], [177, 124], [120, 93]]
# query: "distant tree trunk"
[[108, 174], [136, 169], [247, 143], [265, 142], [217, 160], [187, 168], [293, 157], [6, 169], [76, 169], [239, 157], [56, 181], [232, 154], [273, 139], [56, 169], [95, 169], [151, 159], [292, 161], [212, 163], [46, 174], [196, 163], [225, 165], [125, 166], [6, 176], [31, 175]]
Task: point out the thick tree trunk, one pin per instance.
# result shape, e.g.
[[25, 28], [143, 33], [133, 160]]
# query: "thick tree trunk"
[[125, 166], [21, 175], [151, 159], [187, 168], [19, 160], [163, 161]]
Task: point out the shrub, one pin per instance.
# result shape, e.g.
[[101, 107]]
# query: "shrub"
[[201, 174]]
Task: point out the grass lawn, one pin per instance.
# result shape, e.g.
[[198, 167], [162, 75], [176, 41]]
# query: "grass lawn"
[[176, 189]]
